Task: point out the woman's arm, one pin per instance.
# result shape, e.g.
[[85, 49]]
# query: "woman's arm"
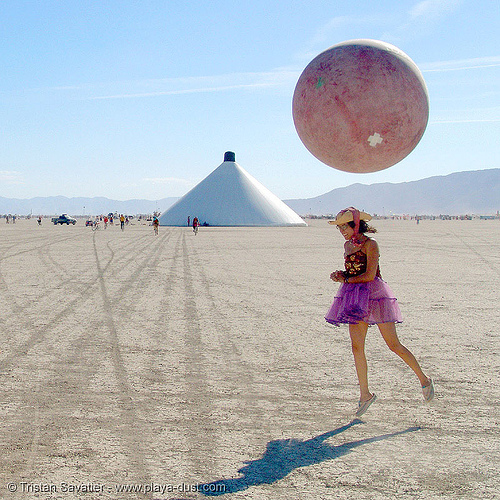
[[337, 276]]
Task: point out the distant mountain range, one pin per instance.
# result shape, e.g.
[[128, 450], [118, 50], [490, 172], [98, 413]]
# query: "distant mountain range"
[[472, 192], [55, 205]]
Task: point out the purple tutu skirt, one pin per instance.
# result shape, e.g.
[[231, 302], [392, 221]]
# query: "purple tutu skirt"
[[372, 302]]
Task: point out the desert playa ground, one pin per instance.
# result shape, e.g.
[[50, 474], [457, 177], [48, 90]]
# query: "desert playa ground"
[[183, 366]]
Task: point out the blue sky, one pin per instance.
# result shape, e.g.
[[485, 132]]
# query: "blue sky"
[[140, 99]]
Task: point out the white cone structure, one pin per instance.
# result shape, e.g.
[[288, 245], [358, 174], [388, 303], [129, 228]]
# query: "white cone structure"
[[230, 196]]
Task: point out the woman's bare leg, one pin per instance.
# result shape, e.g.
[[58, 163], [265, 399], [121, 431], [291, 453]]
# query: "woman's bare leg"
[[358, 335], [388, 331]]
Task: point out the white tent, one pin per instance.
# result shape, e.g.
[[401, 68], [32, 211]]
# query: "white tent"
[[230, 196]]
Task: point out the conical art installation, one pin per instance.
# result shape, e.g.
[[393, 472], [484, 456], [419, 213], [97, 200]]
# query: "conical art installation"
[[230, 196]]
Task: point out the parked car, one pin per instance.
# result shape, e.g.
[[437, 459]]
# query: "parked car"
[[64, 219]]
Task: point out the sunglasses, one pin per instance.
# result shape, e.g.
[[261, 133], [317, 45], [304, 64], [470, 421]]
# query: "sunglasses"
[[342, 227]]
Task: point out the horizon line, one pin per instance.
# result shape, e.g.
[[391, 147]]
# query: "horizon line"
[[180, 196]]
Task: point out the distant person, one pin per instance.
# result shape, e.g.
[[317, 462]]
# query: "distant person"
[[196, 225], [364, 299], [105, 222], [122, 222], [39, 220], [156, 224], [189, 220]]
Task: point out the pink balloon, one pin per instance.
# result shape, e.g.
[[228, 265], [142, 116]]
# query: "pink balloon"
[[361, 106]]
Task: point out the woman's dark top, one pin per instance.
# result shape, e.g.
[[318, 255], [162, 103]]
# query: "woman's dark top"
[[355, 264]]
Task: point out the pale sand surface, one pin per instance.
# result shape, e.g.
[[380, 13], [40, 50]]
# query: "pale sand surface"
[[178, 359]]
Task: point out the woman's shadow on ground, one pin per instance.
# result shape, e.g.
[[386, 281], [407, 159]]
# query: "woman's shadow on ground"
[[282, 456]]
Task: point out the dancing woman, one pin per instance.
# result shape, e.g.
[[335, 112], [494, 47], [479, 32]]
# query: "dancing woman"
[[364, 299]]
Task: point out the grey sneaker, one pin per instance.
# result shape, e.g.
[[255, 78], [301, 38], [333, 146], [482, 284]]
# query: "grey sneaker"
[[363, 406], [428, 391]]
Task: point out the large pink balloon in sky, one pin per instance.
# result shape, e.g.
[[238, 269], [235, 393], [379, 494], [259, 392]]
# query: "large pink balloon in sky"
[[361, 106]]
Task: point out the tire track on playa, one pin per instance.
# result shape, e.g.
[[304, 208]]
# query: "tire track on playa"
[[40, 332], [479, 255], [31, 411], [23, 319], [149, 260], [198, 387], [5, 246], [273, 276], [125, 259], [132, 412], [76, 357], [22, 312], [238, 284], [129, 415], [253, 311], [182, 396], [4, 288], [128, 257], [68, 277], [83, 287], [173, 403], [43, 251], [45, 245], [129, 428], [231, 354], [55, 269], [5, 249], [239, 401], [220, 317]]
